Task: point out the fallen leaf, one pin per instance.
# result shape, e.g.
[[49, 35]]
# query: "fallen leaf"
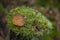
[[18, 20]]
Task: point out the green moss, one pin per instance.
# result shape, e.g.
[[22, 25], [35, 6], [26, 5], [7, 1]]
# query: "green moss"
[[33, 19]]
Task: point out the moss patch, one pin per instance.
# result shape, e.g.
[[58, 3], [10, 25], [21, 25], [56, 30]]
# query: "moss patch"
[[36, 24]]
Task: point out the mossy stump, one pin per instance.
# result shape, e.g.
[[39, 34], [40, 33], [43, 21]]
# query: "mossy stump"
[[31, 24]]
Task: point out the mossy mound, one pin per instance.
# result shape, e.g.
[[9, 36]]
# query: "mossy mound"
[[36, 24]]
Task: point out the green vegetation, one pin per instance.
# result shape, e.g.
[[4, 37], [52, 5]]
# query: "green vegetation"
[[36, 24]]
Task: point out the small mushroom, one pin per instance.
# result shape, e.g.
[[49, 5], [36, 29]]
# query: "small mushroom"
[[18, 20]]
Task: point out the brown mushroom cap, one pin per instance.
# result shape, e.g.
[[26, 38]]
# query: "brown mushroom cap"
[[18, 20]]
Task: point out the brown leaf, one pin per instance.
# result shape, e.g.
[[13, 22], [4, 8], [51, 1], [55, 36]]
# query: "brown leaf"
[[18, 20]]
